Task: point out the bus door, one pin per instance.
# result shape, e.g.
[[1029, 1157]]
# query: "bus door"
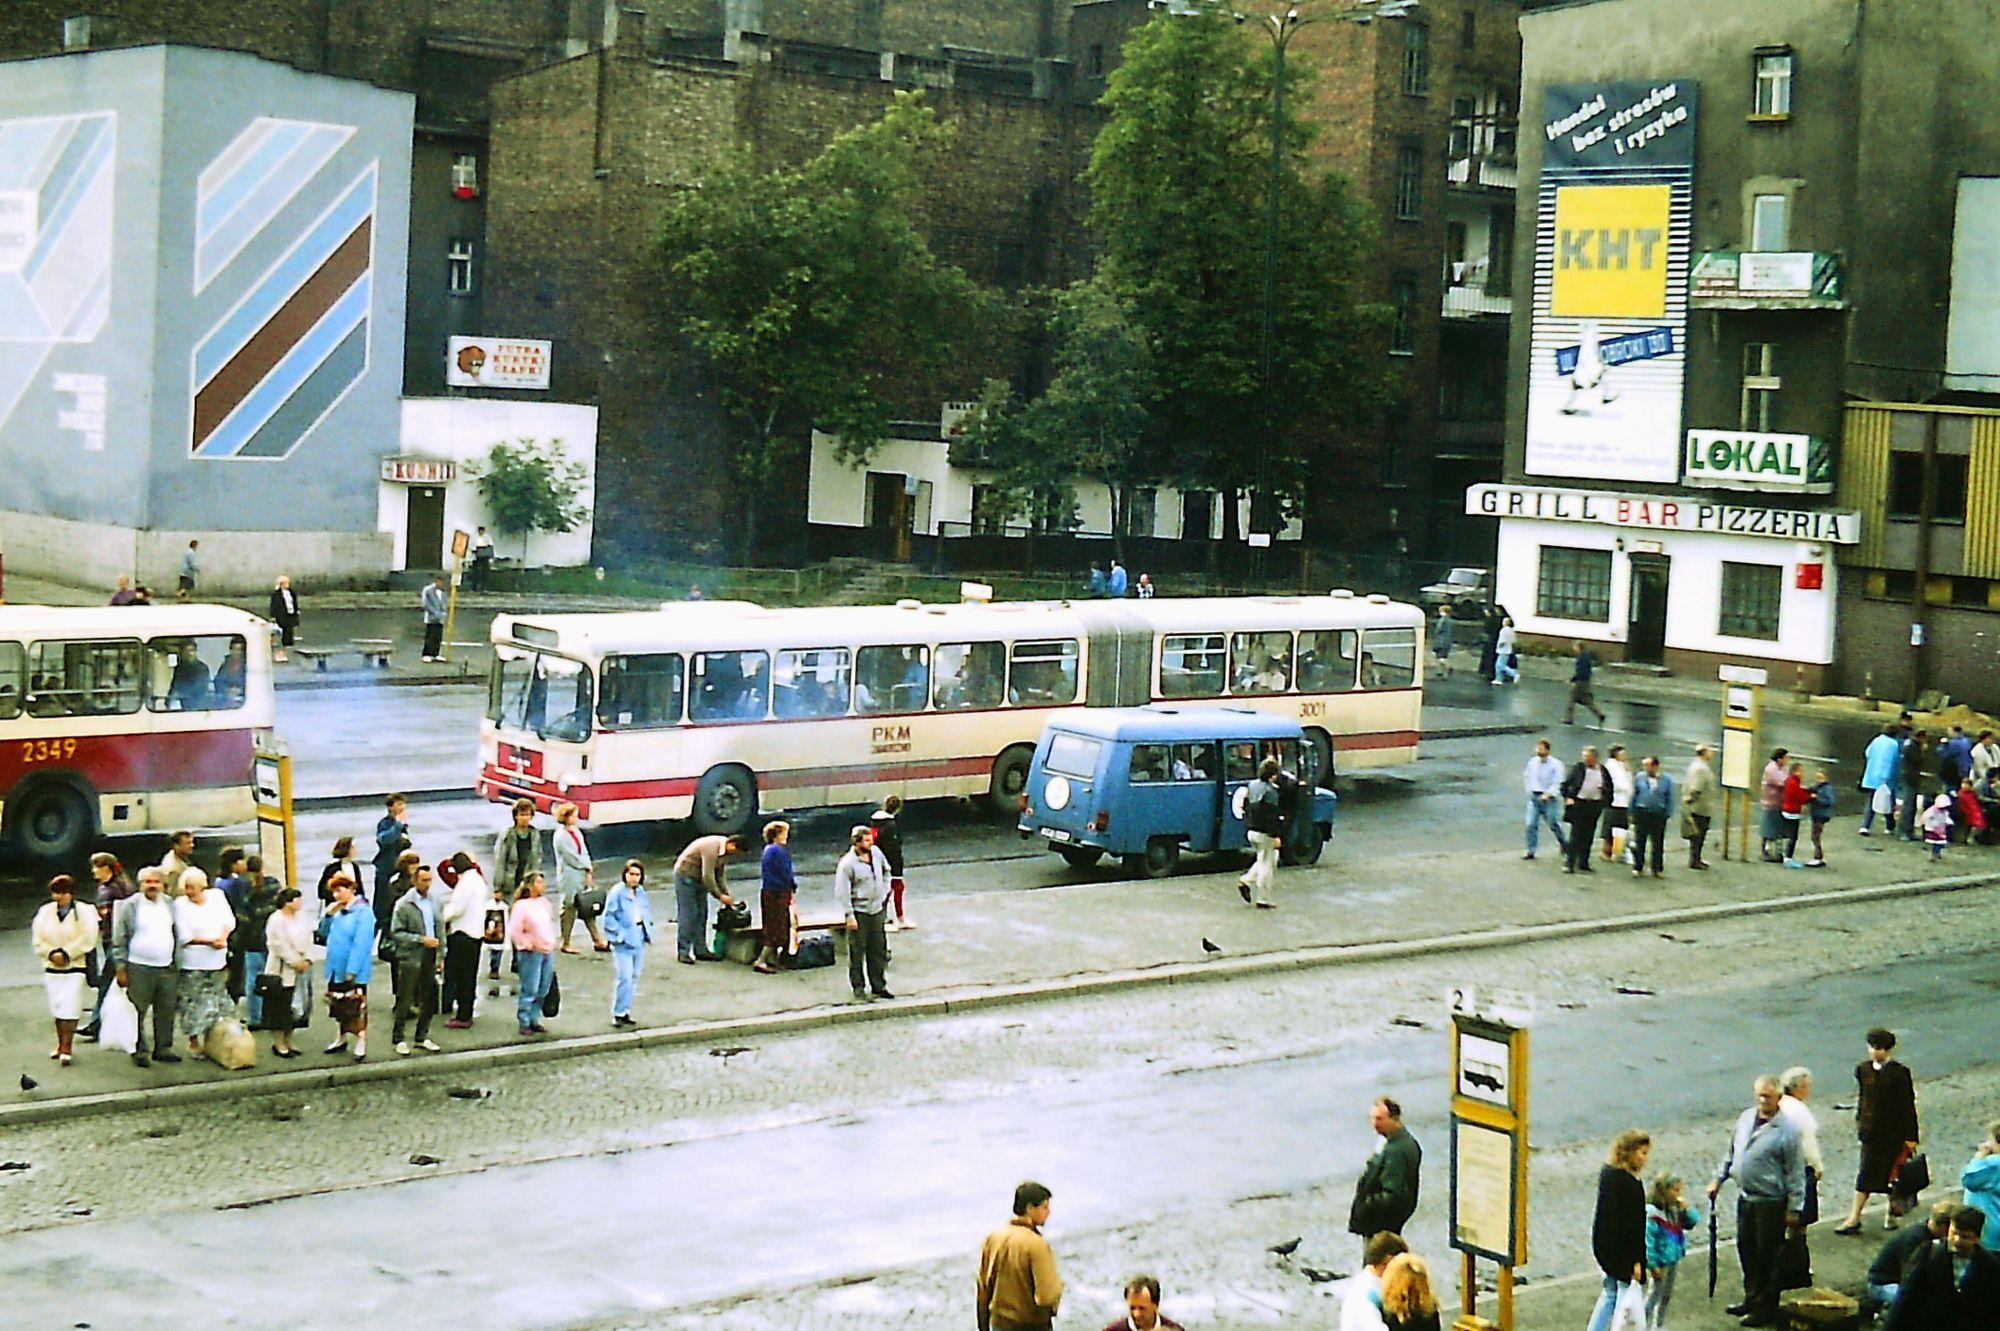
[[1120, 670]]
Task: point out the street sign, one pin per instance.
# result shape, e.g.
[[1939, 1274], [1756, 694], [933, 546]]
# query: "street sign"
[[1484, 1069], [271, 786], [1489, 1145]]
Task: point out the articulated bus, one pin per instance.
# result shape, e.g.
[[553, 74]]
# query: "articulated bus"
[[119, 719], [716, 711]]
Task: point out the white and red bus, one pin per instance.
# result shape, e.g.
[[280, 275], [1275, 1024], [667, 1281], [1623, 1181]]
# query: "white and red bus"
[[117, 719], [713, 712]]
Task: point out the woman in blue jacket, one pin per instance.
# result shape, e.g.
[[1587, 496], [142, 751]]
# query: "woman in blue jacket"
[[1878, 779], [1981, 1178], [350, 962]]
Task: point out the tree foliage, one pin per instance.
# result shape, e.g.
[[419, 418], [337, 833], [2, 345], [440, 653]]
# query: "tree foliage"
[[803, 292], [530, 486], [1179, 183]]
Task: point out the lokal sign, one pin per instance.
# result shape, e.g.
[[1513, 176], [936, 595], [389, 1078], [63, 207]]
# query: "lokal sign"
[[419, 471], [1735, 459], [1662, 513], [497, 362]]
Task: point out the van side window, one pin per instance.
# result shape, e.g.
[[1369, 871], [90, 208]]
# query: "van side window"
[[1239, 760], [1389, 659], [1194, 762], [1150, 762], [1044, 673], [1327, 659], [969, 675], [1190, 665], [1260, 663]]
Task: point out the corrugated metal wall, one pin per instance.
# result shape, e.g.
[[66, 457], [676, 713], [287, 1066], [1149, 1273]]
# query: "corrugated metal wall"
[[1982, 500], [1864, 477]]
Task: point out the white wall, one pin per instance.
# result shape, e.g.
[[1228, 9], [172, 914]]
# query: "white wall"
[[1805, 618], [464, 430]]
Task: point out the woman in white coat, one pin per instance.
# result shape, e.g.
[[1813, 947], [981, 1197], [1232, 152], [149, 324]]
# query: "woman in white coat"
[[64, 935]]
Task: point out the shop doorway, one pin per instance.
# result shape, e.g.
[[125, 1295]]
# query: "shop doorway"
[[888, 514], [1646, 635], [423, 531]]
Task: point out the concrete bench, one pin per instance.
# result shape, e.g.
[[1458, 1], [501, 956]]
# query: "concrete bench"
[[368, 651], [745, 943]]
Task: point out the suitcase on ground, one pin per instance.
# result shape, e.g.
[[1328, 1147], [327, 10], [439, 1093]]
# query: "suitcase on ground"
[[813, 953]]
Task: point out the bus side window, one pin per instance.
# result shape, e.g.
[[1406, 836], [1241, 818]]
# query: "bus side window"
[[891, 679], [969, 675], [1191, 665], [1239, 760], [1260, 663], [85, 678], [810, 682], [728, 686], [13, 660], [1150, 763], [640, 692], [1045, 674], [1389, 659], [196, 674], [1327, 660]]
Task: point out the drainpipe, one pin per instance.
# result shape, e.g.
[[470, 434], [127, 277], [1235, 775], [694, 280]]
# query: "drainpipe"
[[1926, 509]]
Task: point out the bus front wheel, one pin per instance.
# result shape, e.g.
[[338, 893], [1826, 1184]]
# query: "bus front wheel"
[[52, 822], [1010, 779], [725, 803]]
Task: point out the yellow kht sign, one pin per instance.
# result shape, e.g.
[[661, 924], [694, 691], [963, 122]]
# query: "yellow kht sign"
[[1611, 251]]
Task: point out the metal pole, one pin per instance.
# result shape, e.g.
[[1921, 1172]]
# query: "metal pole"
[[1281, 30], [1926, 514]]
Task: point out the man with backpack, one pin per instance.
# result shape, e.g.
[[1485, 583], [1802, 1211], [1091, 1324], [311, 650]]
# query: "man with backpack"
[[1264, 806]]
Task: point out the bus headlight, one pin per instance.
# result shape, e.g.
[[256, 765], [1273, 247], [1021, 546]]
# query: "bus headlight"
[[1056, 793]]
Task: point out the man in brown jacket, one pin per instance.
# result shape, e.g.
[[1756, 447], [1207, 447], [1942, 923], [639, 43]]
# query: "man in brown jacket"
[[1018, 1288]]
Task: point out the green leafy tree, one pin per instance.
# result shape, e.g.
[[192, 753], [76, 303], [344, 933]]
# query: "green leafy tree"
[[1095, 414], [531, 486], [1023, 480], [1179, 179], [805, 295]]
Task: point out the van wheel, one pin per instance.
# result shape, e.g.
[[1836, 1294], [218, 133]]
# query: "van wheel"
[[1010, 778], [1304, 846], [1080, 857], [725, 803], [1163, 855], [52, 822]]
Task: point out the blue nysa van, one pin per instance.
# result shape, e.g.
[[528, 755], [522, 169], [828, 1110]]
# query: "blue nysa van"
[[1147, 783]]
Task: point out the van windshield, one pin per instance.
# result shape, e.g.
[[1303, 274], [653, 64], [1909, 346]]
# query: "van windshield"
[[1073, 755]]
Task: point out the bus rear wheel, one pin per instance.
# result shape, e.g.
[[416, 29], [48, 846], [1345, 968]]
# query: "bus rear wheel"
[[1010, 779], [725, 803], [52, 822]]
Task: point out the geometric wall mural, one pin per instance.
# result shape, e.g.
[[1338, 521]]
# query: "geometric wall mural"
[[296, 338]]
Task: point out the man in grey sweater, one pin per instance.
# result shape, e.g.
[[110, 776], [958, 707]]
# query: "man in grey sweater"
[[1768, 1162], [861, 887]]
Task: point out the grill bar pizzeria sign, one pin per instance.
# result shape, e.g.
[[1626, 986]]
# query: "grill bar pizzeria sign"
[[1662, 513]]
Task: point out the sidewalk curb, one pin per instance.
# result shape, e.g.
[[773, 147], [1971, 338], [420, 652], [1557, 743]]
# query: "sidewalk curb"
[[951, 1004]]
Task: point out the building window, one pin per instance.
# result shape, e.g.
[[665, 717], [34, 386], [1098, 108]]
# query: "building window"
[[1774, 83], [1416, 59], [1468, 29], [1574, 584], [1906, 487], [1500, 251], [465, 175], [1760, 387], [1409, 181], [1462, 116], [1395, 448], [1751, 594], [1142, 511], [1769, 231], [1505, 127], [1097, 60], [1456, 271], [458, 268], [1403, 327]]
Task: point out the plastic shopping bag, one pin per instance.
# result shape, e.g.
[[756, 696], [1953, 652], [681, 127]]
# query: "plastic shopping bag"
[[1629, 1313], [118, 1028]]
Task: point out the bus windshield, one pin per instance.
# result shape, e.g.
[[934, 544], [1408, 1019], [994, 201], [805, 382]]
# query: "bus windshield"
[[546, 695]]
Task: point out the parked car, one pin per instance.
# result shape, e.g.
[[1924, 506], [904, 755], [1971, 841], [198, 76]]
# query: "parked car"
[[1468, 591], [1147, 783]]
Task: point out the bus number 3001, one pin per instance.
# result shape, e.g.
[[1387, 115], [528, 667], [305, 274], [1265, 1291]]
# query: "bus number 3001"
[[1312, 709], [47, 750]]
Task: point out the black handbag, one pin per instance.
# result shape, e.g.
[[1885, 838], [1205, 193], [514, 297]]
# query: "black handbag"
[[1912, 1177], [590, 903], [271, 989], [552, 1000], [734, 916]]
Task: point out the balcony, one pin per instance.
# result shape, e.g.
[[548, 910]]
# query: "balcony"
[[1482, 172], [1468, 293], [1766, 280]]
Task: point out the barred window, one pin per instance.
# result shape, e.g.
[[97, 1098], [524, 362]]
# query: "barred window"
[[1751, 594], [1409, 181], [1416, 59], [1574, 584]]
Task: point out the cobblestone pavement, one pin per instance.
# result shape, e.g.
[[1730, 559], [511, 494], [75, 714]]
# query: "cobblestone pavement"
[[163, 1169]]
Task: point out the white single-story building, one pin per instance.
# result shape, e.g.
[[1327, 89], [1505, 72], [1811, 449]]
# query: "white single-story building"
[[1688, 581], [430, 488]]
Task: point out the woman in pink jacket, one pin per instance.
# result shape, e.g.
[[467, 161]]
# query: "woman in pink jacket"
[[532, 930]]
